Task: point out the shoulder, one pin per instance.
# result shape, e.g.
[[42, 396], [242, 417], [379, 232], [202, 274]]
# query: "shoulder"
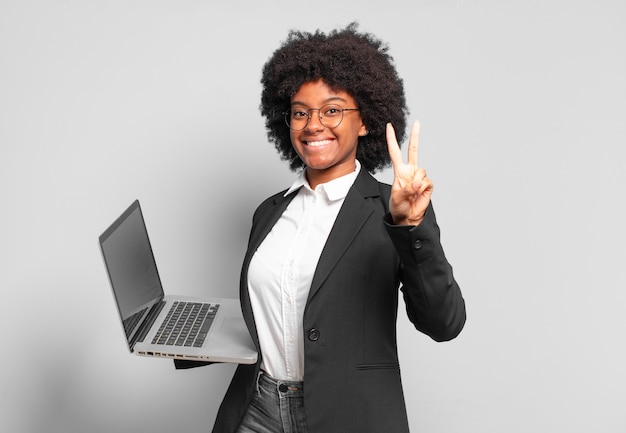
[[368, 186], [270, 202]]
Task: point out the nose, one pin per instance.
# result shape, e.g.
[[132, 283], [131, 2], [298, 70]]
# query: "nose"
[[315, 123]]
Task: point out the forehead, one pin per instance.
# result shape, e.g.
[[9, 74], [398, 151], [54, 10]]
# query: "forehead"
[[316, 93]]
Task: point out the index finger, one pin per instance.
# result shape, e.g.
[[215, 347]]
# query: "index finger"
[[414, 140]]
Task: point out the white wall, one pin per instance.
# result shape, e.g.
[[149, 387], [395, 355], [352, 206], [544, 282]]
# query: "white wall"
[[523, 117]]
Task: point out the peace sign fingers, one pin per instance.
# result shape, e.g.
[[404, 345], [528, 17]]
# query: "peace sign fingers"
[[411, 189], [394, 147]]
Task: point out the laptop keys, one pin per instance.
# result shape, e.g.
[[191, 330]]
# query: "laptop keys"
[[186, 324]]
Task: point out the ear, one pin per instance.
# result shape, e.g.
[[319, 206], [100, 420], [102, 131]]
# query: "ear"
[[363, 130]]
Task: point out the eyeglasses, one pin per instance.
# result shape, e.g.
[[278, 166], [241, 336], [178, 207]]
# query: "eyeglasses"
[[330, 116]]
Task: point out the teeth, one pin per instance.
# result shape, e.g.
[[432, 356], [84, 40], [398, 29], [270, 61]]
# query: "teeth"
[[318, 143]]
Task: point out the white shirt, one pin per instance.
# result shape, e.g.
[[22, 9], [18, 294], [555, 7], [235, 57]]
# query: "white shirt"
[[281, 272]]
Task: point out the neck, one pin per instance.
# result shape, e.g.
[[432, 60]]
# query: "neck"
[[316, 177]]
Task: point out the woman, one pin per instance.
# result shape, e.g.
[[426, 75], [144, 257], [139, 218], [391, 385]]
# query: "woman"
[[320, 279]]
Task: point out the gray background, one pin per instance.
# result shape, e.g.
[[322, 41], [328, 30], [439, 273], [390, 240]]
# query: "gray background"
[[523, 114]]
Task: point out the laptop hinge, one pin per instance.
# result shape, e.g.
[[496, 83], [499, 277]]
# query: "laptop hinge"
[[147, 323]]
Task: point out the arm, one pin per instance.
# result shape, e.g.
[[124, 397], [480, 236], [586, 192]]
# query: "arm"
[[433, 299], [183, 364]]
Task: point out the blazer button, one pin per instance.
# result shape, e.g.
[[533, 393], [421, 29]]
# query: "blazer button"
[[314, 334], [418, 244]]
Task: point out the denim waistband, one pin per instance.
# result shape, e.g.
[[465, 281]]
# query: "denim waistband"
[[280, 386]]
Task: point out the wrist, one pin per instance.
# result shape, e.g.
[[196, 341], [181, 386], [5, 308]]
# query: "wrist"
[[407, 221]]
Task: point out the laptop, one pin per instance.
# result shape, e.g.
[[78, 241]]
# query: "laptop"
[[167, 326]]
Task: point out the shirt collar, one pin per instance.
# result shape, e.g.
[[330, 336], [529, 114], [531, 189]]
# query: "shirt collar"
[[335, 189]]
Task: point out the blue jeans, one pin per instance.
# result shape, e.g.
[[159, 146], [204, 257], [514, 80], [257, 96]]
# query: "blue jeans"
[[277, 407]]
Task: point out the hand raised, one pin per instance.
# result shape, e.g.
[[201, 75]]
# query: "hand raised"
[[411, 189]]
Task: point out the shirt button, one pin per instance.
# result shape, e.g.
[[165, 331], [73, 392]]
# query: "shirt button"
[[417, 245], [314, 334]]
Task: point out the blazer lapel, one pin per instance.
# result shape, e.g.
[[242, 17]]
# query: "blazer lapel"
[[353, 214], [265, 222]]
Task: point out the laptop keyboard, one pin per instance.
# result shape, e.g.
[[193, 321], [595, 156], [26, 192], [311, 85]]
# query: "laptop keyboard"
[[186, 324]]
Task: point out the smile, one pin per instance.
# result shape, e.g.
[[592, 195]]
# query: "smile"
[[318, 143]]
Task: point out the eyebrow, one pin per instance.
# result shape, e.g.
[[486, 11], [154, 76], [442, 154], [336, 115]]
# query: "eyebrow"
[[326, 101]]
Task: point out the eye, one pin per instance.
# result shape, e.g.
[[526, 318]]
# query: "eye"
[[299, 114], [331, 111]]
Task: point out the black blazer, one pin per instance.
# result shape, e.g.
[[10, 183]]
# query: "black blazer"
[[351, 370]]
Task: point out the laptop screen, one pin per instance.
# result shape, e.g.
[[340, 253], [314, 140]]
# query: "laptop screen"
[[131, 266]]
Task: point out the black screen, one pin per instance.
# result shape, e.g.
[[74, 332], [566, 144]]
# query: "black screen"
[[131, 266]]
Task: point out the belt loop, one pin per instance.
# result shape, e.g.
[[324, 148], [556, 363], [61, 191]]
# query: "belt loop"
[[258, 378]]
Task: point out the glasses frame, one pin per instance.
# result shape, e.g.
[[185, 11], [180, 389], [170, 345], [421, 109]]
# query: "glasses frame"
[[287, 116]]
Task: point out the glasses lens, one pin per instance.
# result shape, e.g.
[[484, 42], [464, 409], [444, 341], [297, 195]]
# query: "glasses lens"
[[331, 115], [297, 118]]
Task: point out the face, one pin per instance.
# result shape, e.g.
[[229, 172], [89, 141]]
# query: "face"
[[327, 153]]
